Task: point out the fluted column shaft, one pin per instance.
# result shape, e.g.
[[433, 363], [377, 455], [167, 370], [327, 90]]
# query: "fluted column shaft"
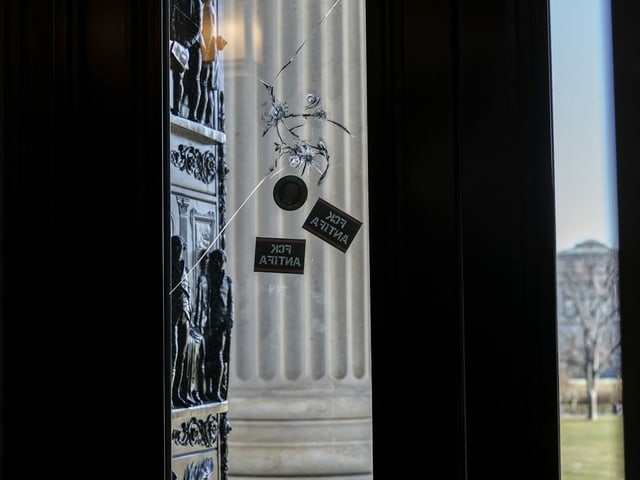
[[300, 385]]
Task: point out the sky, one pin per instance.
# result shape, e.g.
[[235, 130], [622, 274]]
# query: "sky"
[[583, 122]]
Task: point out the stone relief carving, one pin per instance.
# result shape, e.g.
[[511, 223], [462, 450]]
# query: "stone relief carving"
[[198, 470], [194, 46], [180, 319], [225, 429], [202, 321], [197, 433], [200, 164], [201, 300]]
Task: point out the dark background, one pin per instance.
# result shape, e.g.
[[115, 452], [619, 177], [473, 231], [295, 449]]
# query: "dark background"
[[461, 229]]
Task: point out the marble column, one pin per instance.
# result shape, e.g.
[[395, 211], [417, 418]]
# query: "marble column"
[[300, 380]]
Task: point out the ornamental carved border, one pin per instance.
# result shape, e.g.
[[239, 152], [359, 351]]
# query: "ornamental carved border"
[[197, 432], [201, 164]]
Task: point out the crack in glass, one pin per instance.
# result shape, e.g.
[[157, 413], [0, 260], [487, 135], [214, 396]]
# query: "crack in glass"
[[301, 153]]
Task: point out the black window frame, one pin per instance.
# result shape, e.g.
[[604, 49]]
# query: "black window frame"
[[461, 208]]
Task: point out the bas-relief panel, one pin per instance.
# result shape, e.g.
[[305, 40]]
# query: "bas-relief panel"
[[195, 218], [200, 290]]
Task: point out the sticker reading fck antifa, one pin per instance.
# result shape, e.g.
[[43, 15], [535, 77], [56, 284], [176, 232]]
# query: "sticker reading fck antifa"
[[279, 255], [332, 225]]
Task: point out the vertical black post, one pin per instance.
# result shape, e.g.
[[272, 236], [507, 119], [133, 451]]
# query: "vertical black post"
[[626, 67], [82, 235]]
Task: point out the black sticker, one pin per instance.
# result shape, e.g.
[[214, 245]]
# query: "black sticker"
[[332, 225], [279, 255], [290, 192]]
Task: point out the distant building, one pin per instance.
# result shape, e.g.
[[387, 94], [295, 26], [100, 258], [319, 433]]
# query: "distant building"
[[588, 314]]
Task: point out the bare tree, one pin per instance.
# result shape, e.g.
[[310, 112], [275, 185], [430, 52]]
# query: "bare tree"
[[588, 314]]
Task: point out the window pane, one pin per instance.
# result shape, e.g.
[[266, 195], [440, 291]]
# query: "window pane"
[[288, 203], [587, 259]]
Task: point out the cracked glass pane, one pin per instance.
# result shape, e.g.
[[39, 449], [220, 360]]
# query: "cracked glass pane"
[[269, 173]]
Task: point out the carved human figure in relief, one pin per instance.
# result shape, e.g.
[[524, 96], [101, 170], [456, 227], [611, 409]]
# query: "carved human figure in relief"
[[195, 350], [185, 41], [191, 384], [180, 317], [211, 44], [217, 333]]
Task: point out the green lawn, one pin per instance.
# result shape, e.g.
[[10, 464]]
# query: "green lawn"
[[592, 450]]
